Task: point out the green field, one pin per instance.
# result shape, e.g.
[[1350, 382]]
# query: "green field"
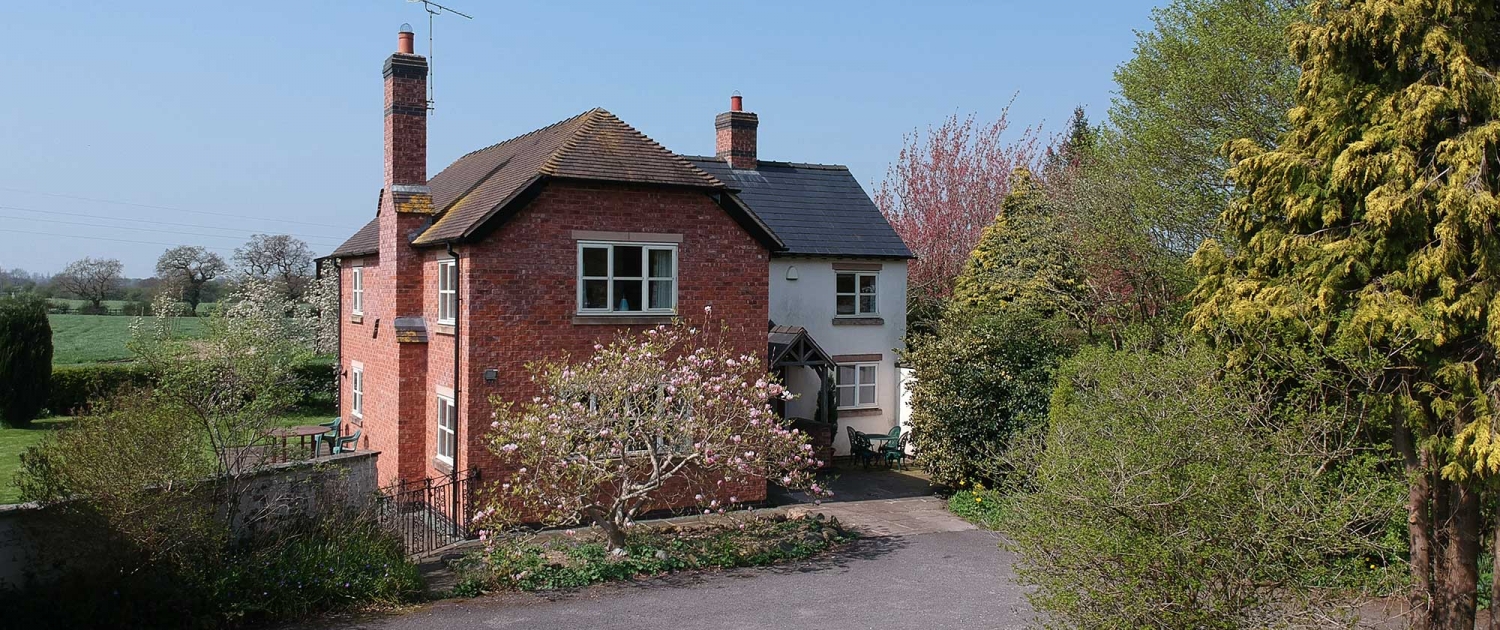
[[100, 338]]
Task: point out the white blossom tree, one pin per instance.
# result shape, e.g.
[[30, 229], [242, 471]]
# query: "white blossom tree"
[[662, 417]]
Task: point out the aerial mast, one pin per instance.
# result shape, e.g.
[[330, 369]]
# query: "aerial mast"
[[434, 9]]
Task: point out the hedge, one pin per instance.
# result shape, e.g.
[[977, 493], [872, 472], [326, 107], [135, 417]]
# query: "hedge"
[[73, 386]]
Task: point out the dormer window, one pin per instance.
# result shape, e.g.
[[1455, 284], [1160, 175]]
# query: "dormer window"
[[624, 278]]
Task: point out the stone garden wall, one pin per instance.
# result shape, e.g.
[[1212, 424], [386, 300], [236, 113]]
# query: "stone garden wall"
[[35, 544]]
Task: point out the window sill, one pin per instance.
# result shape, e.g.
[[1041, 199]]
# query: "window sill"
[[622, 320], [357, 318], [442, 466], [857, 412], [356, 419], [858, 321], [443, 329]]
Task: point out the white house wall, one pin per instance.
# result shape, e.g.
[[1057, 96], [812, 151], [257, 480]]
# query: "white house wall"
[[808, 302]]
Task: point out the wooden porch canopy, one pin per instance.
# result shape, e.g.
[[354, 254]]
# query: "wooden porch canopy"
[[791, 347]]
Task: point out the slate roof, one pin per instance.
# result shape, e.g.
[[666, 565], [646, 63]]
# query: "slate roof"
[[594, 145], [816, 209]]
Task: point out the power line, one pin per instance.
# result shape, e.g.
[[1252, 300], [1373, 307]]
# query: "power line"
[[102, 238], [147, 205], [122, 227], [332, 239]]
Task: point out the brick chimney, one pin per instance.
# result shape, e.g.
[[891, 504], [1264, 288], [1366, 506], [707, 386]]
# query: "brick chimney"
[[405, 207], [405, 114], [736, 135]]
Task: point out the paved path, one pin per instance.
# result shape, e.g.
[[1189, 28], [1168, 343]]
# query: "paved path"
[[922, 568]]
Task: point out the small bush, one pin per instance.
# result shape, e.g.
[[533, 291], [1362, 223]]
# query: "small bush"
[[25, 358], [980, 506], [329, 566], [316, 378], [1170, 495], [334, 566], [575, 562], [74, 386], [977, 385]]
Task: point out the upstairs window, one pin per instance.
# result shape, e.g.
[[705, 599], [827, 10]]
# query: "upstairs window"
[[856, 385], [357, 290], [627, 278], [855, 294], [447, 291]]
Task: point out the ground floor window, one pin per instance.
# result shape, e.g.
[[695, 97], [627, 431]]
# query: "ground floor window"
[[447, 423], [357, 390], [856, 384]]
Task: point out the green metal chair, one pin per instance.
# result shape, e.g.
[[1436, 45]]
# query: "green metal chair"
[[860, 448], [331, 436], [896, 453], [347, 444]]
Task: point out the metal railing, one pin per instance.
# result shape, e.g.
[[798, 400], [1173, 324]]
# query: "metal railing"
[[430, 514]]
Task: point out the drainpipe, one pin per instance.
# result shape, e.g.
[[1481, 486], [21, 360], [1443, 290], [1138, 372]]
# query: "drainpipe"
[[457, 409]]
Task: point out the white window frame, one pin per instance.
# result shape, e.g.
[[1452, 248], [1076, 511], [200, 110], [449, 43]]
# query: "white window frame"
[[446, 433], [609, 278], [874, 297], [357, 290], [857, 385], [447, 291], [357, 390]]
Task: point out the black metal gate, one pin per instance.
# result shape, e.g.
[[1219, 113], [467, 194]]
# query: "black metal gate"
[[430, 514]]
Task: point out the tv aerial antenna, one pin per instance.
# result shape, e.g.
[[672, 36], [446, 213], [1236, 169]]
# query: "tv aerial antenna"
[[434, 9]]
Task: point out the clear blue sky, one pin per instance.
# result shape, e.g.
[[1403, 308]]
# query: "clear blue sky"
[[268, 114]]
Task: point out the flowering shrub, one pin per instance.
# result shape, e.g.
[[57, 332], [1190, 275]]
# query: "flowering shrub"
[[663, 415]]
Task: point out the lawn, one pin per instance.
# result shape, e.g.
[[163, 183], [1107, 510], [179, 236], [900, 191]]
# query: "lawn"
[[13, 442], [100, 338]]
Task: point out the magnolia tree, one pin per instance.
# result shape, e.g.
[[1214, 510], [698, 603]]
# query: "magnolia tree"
[[665, 416]]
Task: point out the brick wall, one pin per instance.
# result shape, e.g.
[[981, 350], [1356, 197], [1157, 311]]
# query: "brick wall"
[[521, 286], [519, 300]]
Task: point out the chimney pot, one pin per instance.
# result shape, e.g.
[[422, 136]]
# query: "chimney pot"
[[735, 131], [404, 40]]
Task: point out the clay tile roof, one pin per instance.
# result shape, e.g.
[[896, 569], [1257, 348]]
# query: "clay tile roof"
[[594, 145], [364, 242]]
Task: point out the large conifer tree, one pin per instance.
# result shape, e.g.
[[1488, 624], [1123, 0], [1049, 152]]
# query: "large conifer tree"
[[1372, 228]]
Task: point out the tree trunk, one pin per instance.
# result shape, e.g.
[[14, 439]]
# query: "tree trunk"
[[1494, 571], [614, 534], [1418, 524], [1461, 558]]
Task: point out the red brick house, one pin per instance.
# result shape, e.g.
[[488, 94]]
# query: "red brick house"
[[544, 244], [535, 247]]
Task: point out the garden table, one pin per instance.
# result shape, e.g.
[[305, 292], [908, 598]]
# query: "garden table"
[[304, 435]]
